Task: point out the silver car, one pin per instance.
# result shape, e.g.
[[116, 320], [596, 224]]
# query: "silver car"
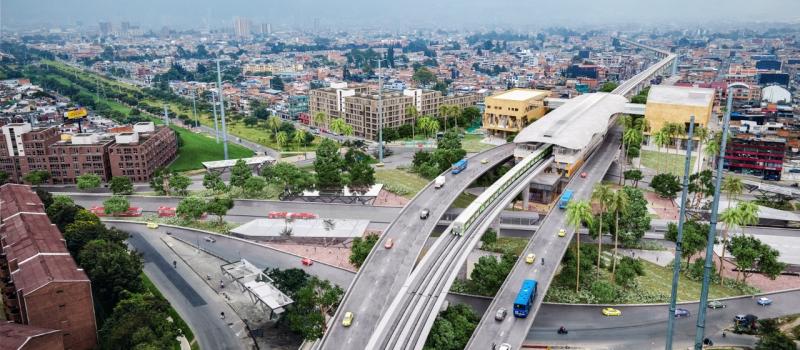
[[500, 314]]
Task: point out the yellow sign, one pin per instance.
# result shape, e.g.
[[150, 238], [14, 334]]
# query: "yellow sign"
[[76, 113]]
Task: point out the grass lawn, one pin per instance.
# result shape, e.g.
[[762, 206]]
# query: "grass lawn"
[[472, 143], [400, 182], [197, 148], [659, 279], [664, 162], [463, 200], [507, 244], [86, 75]]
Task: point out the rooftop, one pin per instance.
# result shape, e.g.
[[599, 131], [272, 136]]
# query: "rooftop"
[[28, 235], [15, 336], [574, 123], [522, 95], [302, 228], [16, 198], [679, 95], [45, 269]]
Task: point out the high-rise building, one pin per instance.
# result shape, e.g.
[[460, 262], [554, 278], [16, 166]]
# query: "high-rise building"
[[125, 27], [241, 27], [105, 28], [511, 111], [360, 108]]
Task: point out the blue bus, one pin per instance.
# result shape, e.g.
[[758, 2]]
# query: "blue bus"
[[459, 166], [522, 305], [565, 197]]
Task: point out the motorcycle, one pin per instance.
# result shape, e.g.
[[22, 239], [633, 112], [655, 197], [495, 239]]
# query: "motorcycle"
[[563, 330]]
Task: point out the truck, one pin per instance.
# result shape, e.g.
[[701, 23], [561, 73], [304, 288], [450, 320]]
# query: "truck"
[[459, 166], [439, 181], [565, 197]]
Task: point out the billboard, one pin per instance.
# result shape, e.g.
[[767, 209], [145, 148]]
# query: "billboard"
[[76, 113]]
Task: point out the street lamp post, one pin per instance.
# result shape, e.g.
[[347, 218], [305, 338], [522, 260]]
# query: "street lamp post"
[[194, 109], [222, 112], [712, 230], [676, 269], [214, 108], [380, 111]]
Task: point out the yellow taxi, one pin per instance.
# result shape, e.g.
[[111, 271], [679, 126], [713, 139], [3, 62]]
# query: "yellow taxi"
[[152, 225], [610, 311], [530, 258], [348, 319], [562, 233]]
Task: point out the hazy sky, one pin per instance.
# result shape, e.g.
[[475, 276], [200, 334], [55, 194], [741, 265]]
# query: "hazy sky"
[[395, 13]]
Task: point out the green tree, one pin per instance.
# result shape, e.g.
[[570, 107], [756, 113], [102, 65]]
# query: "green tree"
[[179, 183], [121, 185], [412, 114], [489, 273], [273, 124], [86, 228], [604, 291], [112, 269], [452, 328], [160, 181], [602, 195], [191, 208], [339, 126], [140, 321], [282, 138], [634, 221], [328, 165], [4, 177], [694, 237], [489, 237], [116, 205], [666, 185], [276, 83], [629, 268], [608, 86], [661, 139], [289, 177], [423, 76], [753, 255], [361, 248], [320, 119], [62, 211], [219, 206], [733, 188], [732, 218], [299, 138], [313, 304], [634, 175], [254, 185], [88, 181], [618, 204], [775, 341], [428, 125], [578, 213], [240, 172], [212, 181], [288, 281], [36, 177]]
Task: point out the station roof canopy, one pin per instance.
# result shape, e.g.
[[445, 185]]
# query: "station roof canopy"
[[521, 94], [574, 123]]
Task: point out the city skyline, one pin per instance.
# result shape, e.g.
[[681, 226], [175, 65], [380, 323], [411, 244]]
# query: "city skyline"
[[392, 16]]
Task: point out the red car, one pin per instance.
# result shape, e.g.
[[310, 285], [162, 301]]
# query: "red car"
[[389, 244], [307, 261], [277, 214], [583, 174]]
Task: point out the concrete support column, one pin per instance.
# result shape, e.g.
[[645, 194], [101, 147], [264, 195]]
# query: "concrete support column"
[[526, 197]]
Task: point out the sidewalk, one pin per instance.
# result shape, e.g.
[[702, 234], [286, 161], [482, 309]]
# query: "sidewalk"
[[204, 264]]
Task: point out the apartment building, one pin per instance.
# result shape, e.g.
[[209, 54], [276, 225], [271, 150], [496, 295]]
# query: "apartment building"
[[509, 112], [676, 104], [42, 285], [359, 106], [756, 155], [21, 337], [138, 154]]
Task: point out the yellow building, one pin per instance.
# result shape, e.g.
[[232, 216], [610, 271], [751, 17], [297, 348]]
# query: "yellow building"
[[675, 104], [511, 111]]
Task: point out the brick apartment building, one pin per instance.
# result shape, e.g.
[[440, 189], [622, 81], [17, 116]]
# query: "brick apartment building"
[[135, 154], [14, 336], [138, 154], [359, 106], [41, 284]]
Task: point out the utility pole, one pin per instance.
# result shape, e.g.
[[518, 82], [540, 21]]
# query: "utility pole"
[[166, 115], [214, 107], [676, 268], [380, 111], [194, 109], [712, 230], [222, 112]]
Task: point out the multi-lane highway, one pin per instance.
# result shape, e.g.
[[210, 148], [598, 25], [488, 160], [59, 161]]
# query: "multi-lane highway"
[[380, 278], [547, 245], [644, 327], [405, 325]]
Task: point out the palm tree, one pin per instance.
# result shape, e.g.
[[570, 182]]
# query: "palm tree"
[[701, 134], [338, 125], [749, 213], [661, 139], [347, 130], [675, 130], [618, 204], [602, 194], [273, 123], [299, 137], [455, 111], [632, 134], [578, 212], [732, 186], [411, 112], [320, 118], [732, 218], [282, 138], [712, 146], [444, 111]]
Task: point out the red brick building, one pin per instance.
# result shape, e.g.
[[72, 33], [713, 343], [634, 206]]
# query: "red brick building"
[[42, 286], [14, 336], [135, 154]]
